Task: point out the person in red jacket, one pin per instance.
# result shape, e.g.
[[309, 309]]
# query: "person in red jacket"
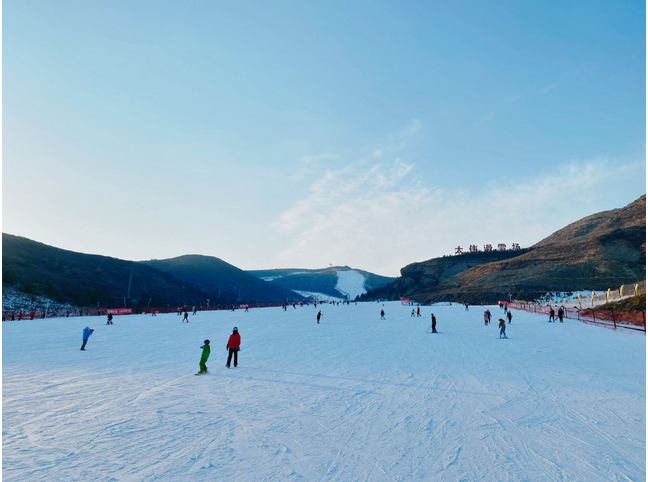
[[233, 345]]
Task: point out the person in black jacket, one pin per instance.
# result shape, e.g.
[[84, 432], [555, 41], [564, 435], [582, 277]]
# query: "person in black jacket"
[[433, 323]]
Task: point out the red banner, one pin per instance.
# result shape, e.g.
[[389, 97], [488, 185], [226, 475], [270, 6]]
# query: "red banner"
[[119, 311]]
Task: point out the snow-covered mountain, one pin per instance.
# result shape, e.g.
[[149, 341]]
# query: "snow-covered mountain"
[[337, 281]]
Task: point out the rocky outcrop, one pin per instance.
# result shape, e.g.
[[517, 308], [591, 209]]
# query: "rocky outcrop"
[[598, 252]]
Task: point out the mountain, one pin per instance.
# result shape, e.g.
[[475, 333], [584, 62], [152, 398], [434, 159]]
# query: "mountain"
[[336, 281], [598, 252], [84, 280], [216, 279]]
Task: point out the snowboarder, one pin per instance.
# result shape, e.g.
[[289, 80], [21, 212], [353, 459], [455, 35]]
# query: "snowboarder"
[[319, 315], [552, 315], [382, 314], [233, 346], [204, 357], [485, 319], [109, 321], [509, 315], [86, 334], [186, 318], [502, 326], [433, 323], [418, 311], [561, 314]]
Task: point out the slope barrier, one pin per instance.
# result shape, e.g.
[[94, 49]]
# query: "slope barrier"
[[634, 321]]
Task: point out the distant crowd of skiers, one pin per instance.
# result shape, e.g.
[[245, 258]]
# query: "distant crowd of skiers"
[[233, 345]]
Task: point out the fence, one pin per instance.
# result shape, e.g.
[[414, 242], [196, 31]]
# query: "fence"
[[66, 313], [615, 320]]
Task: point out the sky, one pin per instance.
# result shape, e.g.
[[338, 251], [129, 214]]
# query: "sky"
[[299, 134]]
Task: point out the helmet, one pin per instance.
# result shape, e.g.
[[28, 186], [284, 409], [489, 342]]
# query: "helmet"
[[206, 342], [235, 329]]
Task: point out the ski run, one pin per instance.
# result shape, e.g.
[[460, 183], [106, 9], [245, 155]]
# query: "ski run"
[[354, 398]]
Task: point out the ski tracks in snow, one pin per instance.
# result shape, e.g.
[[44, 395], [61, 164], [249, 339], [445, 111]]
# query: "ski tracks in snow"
[[354, 398]]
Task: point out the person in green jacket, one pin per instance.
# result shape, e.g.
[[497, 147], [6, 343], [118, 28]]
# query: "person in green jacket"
[[204, 357]]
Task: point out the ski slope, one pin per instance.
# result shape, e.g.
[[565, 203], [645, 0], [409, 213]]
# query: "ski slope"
[[350, 283], [352, 399]]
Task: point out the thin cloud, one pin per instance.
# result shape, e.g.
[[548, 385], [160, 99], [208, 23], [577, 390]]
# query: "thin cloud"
[[382, 217], [312, 164], [413, 128], [546, 89]]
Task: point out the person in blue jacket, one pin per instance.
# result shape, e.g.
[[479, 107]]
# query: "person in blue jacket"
[[86, 334]]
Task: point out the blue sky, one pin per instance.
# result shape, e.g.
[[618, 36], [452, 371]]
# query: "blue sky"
[[298, 134]]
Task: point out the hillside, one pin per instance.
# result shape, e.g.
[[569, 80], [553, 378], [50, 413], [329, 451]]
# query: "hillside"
[[215, 279], [336, 281], [36, 269], [600, 251], [85, 280]]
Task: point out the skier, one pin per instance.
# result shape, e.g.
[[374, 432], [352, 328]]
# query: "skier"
[[509, 315], [418, 311], [382, 314], [433, 323], [186, 317], [505, 308], [485, 319], [502, 326], [20, 315], [319, 315], [233, 345], [86, 334], [466, 305], [109, 321], [32, 314], [246, 309], [413, 314], [561, 314], [552, 315], [204, 357], [489, 315], [194, 310]]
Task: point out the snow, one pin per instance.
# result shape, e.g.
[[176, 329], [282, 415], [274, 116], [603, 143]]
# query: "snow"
[[350, 283], [13, 300], [354, 398], [318, 296]]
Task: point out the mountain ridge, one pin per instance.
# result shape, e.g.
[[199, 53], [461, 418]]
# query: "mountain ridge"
[[599, 251]]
